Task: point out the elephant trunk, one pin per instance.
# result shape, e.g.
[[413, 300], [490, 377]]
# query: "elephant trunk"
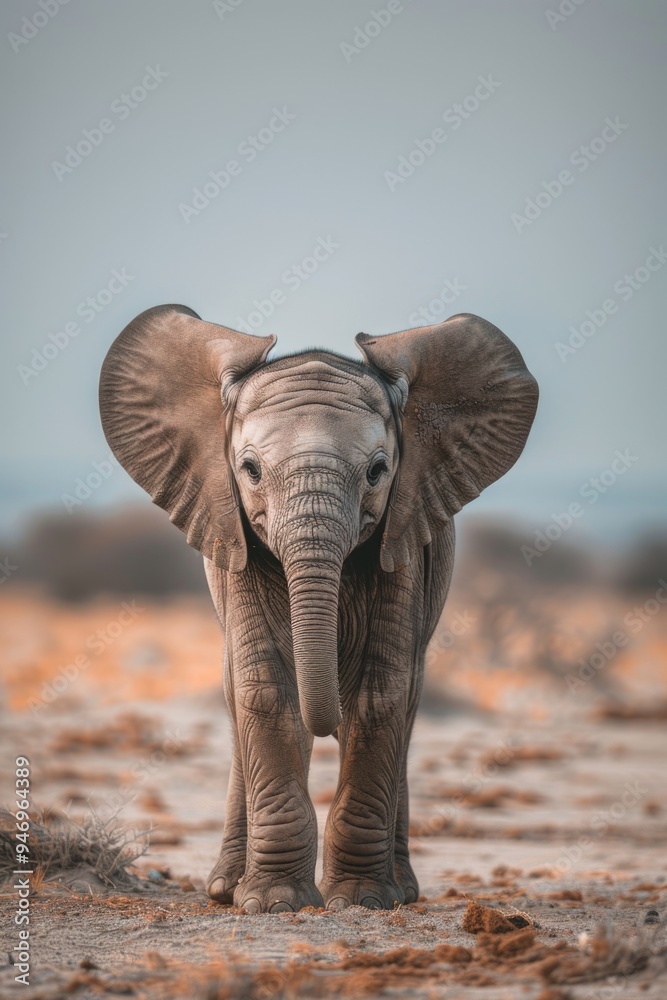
[[313, 584], [315, 537]]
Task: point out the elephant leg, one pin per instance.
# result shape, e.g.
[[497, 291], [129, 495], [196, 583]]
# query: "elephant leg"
[[404, 876], [282, 830], [231, 863], [361, 827]]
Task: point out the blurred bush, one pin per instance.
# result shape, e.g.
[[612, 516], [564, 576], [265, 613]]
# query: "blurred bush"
[[642, 567], [497, 546], [133, 551]]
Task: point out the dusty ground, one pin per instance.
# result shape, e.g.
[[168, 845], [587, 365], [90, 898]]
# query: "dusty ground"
[[553, 811]]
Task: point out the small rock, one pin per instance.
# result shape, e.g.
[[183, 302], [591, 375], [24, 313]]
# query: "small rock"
[[155, 876], [652, 917]]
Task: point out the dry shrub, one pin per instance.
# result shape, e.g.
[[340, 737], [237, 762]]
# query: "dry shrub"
[[152, 801], [291, 980], [492, 797], [59, 844], [303, 948], [431, 827], [543, 872], [372, 974], [478, 919], [409, 958], [632, 713], [522, 755], [495, 960], [612, 952], [454, 954], [129, 731], [226, 981], [505, 949], [493, 950], [88, 980]]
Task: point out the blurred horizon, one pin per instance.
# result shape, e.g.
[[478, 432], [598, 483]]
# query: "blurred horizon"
[[133, 549], [615, 524]]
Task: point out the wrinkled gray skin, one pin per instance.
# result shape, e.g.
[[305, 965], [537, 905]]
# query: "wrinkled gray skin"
[[328, 566]]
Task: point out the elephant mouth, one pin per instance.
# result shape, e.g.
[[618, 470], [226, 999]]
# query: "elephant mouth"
[[258, 523], [367, 525]]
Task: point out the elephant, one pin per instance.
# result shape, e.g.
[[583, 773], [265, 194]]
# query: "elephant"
[[321, 491]]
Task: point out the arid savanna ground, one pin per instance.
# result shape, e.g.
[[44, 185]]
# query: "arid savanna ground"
[[538, 792]]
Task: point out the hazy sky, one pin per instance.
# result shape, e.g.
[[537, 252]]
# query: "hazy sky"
[[314, 104]]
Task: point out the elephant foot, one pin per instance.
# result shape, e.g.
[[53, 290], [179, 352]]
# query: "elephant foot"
[[406, 879], [226, 874], [371, 893], [280, 895]]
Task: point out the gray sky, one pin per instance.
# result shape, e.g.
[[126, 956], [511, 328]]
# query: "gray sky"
[[518, 96]]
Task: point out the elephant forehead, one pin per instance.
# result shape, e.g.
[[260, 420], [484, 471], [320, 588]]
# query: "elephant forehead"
[[313, 429], [315, 382]]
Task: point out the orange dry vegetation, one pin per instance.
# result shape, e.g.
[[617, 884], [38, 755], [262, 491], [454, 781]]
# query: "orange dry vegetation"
[[515, 652], [157, 651], [495, 960]]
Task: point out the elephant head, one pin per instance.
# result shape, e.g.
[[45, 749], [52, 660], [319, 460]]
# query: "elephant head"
[[317, 451]]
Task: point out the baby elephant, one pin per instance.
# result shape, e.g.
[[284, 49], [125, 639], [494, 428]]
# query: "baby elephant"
[[320, 491]]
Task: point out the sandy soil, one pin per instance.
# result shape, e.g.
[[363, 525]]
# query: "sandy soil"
[[557, 820]]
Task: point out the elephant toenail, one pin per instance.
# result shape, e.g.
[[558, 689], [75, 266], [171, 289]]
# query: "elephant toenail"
[[252, 905], [217, 887], [371, 903], [338, 903], [280, 906]]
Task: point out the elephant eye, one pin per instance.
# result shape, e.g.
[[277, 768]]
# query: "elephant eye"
[[375, 470], [253, 470]]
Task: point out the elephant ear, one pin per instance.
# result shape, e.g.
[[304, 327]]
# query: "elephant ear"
[[163, 392], [468, 403]]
